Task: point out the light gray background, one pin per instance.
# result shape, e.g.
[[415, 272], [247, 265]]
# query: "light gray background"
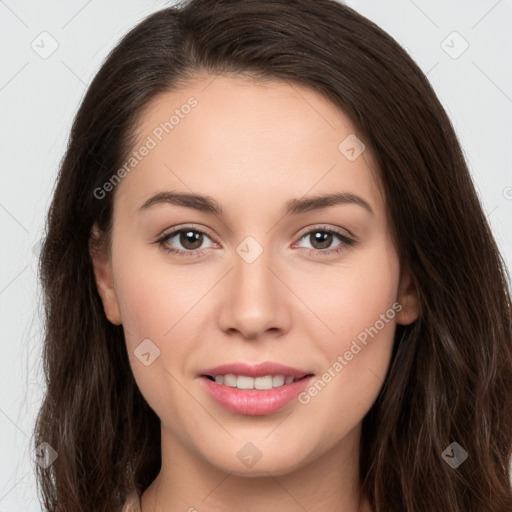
[[38, 99]]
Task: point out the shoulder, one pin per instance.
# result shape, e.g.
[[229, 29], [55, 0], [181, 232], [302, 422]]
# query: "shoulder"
[[132, 503]]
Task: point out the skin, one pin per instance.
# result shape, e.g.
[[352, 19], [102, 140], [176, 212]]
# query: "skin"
[[253, 147]]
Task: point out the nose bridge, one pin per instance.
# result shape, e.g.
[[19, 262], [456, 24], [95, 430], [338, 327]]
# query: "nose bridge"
[[251, 266], [252, 302], [252, 277]]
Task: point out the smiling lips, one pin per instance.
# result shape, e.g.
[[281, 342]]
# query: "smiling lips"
[[254, 389]]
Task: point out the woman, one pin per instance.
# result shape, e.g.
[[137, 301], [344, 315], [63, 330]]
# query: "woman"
[[199, 355]]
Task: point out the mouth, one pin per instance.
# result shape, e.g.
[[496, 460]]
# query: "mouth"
[[258, 394], [254, 388]]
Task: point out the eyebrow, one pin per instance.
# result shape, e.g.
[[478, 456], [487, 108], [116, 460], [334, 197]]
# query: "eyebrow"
[[293, 207]]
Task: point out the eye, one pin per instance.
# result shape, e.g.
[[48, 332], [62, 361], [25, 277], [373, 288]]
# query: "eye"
[[191, 240], [321, 238]]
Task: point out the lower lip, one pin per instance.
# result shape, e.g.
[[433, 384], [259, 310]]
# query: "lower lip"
[[253, 402]]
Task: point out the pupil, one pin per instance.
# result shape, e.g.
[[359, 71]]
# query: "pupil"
[[323, 238], [189, 238]]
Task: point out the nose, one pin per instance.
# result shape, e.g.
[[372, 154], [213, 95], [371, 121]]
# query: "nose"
[[254, 302]]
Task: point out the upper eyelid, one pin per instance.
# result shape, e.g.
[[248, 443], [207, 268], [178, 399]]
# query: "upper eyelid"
[[323, 227], [175, 231]]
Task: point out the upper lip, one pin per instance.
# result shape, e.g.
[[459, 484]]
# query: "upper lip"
[[256, 370]]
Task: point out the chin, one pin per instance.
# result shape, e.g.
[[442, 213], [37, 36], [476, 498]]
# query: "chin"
[[275, 463]]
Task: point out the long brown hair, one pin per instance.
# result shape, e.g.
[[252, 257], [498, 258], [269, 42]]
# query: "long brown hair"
[[450, 377]]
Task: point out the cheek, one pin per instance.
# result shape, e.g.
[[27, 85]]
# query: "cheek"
[[360, 310], [154, 306], [351, 299], [159, 306], [155, 297], [355, 365]]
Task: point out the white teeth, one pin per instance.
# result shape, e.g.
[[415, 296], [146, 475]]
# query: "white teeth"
[[230, 380], [266, 382], [245, 382], [279, 380]]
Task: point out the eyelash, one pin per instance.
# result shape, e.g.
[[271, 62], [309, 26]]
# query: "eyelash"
[[346, 241]]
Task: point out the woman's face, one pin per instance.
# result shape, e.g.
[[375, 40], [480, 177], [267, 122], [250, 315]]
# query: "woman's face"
[[271, 278]]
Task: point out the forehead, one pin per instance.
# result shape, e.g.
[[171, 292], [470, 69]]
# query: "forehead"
[[234, 138]]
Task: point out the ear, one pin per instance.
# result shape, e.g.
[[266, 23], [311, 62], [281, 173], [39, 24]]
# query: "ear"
[[103, 276], [408, 298]]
